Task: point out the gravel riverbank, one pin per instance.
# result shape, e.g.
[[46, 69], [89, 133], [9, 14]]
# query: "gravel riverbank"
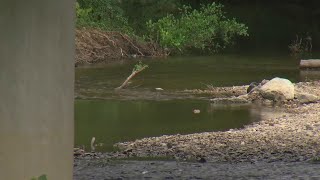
[[285, 144], [291, 134]]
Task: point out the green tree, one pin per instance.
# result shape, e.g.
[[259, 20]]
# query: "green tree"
[[206, 29], [139, 12], [103, 14]]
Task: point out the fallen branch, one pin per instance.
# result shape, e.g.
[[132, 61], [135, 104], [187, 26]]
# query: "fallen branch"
[[310, 63], [137, 69], [92, 144]]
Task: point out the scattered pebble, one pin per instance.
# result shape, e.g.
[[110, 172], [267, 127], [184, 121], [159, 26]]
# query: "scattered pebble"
[[196, 111]]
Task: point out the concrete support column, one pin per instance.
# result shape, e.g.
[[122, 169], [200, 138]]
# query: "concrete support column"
[[36, 89]]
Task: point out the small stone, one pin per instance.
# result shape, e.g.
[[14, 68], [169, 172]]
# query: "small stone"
[[158, 89], [307, 98], [202, 160], [308, 127], [196, 111], [242, 143], [164, 144], [252, 86], [128, 151], [309, 133]]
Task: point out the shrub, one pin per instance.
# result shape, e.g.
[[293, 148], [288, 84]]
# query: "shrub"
[[206, 29], [103, 14], [82, 15], [301, 46]]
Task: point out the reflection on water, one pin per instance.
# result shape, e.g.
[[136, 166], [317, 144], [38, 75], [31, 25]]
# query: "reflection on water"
[[115, 121], [310, 75]]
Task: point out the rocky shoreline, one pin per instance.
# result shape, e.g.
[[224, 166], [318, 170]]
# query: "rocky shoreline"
[[285, 144], [291, 134]]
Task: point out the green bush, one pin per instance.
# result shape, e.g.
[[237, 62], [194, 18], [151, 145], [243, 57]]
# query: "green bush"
[[103, 14], [206, 29], [82, 15], [139, 12]]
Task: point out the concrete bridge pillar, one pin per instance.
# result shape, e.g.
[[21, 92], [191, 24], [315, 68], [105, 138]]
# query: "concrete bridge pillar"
[[36, 89]]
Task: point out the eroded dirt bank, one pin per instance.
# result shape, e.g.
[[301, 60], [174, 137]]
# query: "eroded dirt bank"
[[94, 46], [293, 134]]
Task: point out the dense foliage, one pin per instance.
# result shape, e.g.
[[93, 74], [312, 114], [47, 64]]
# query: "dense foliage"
[[139, 12], [169, 23], [103, 14], [273, 24], [205, 29]]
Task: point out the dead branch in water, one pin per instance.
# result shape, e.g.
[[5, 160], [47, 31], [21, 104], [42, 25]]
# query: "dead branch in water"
[[137, 69], [301, 45]]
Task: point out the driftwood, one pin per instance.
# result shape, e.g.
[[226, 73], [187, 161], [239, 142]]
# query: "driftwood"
[[310, 63], [134, 72], [92, 144]]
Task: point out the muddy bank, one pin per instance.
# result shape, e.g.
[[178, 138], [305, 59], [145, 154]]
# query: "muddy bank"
[[94, 46], [292, 134], [88, 170], [220, 92]]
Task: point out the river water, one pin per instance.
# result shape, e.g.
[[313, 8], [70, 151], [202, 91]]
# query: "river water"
[[141, 111]]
